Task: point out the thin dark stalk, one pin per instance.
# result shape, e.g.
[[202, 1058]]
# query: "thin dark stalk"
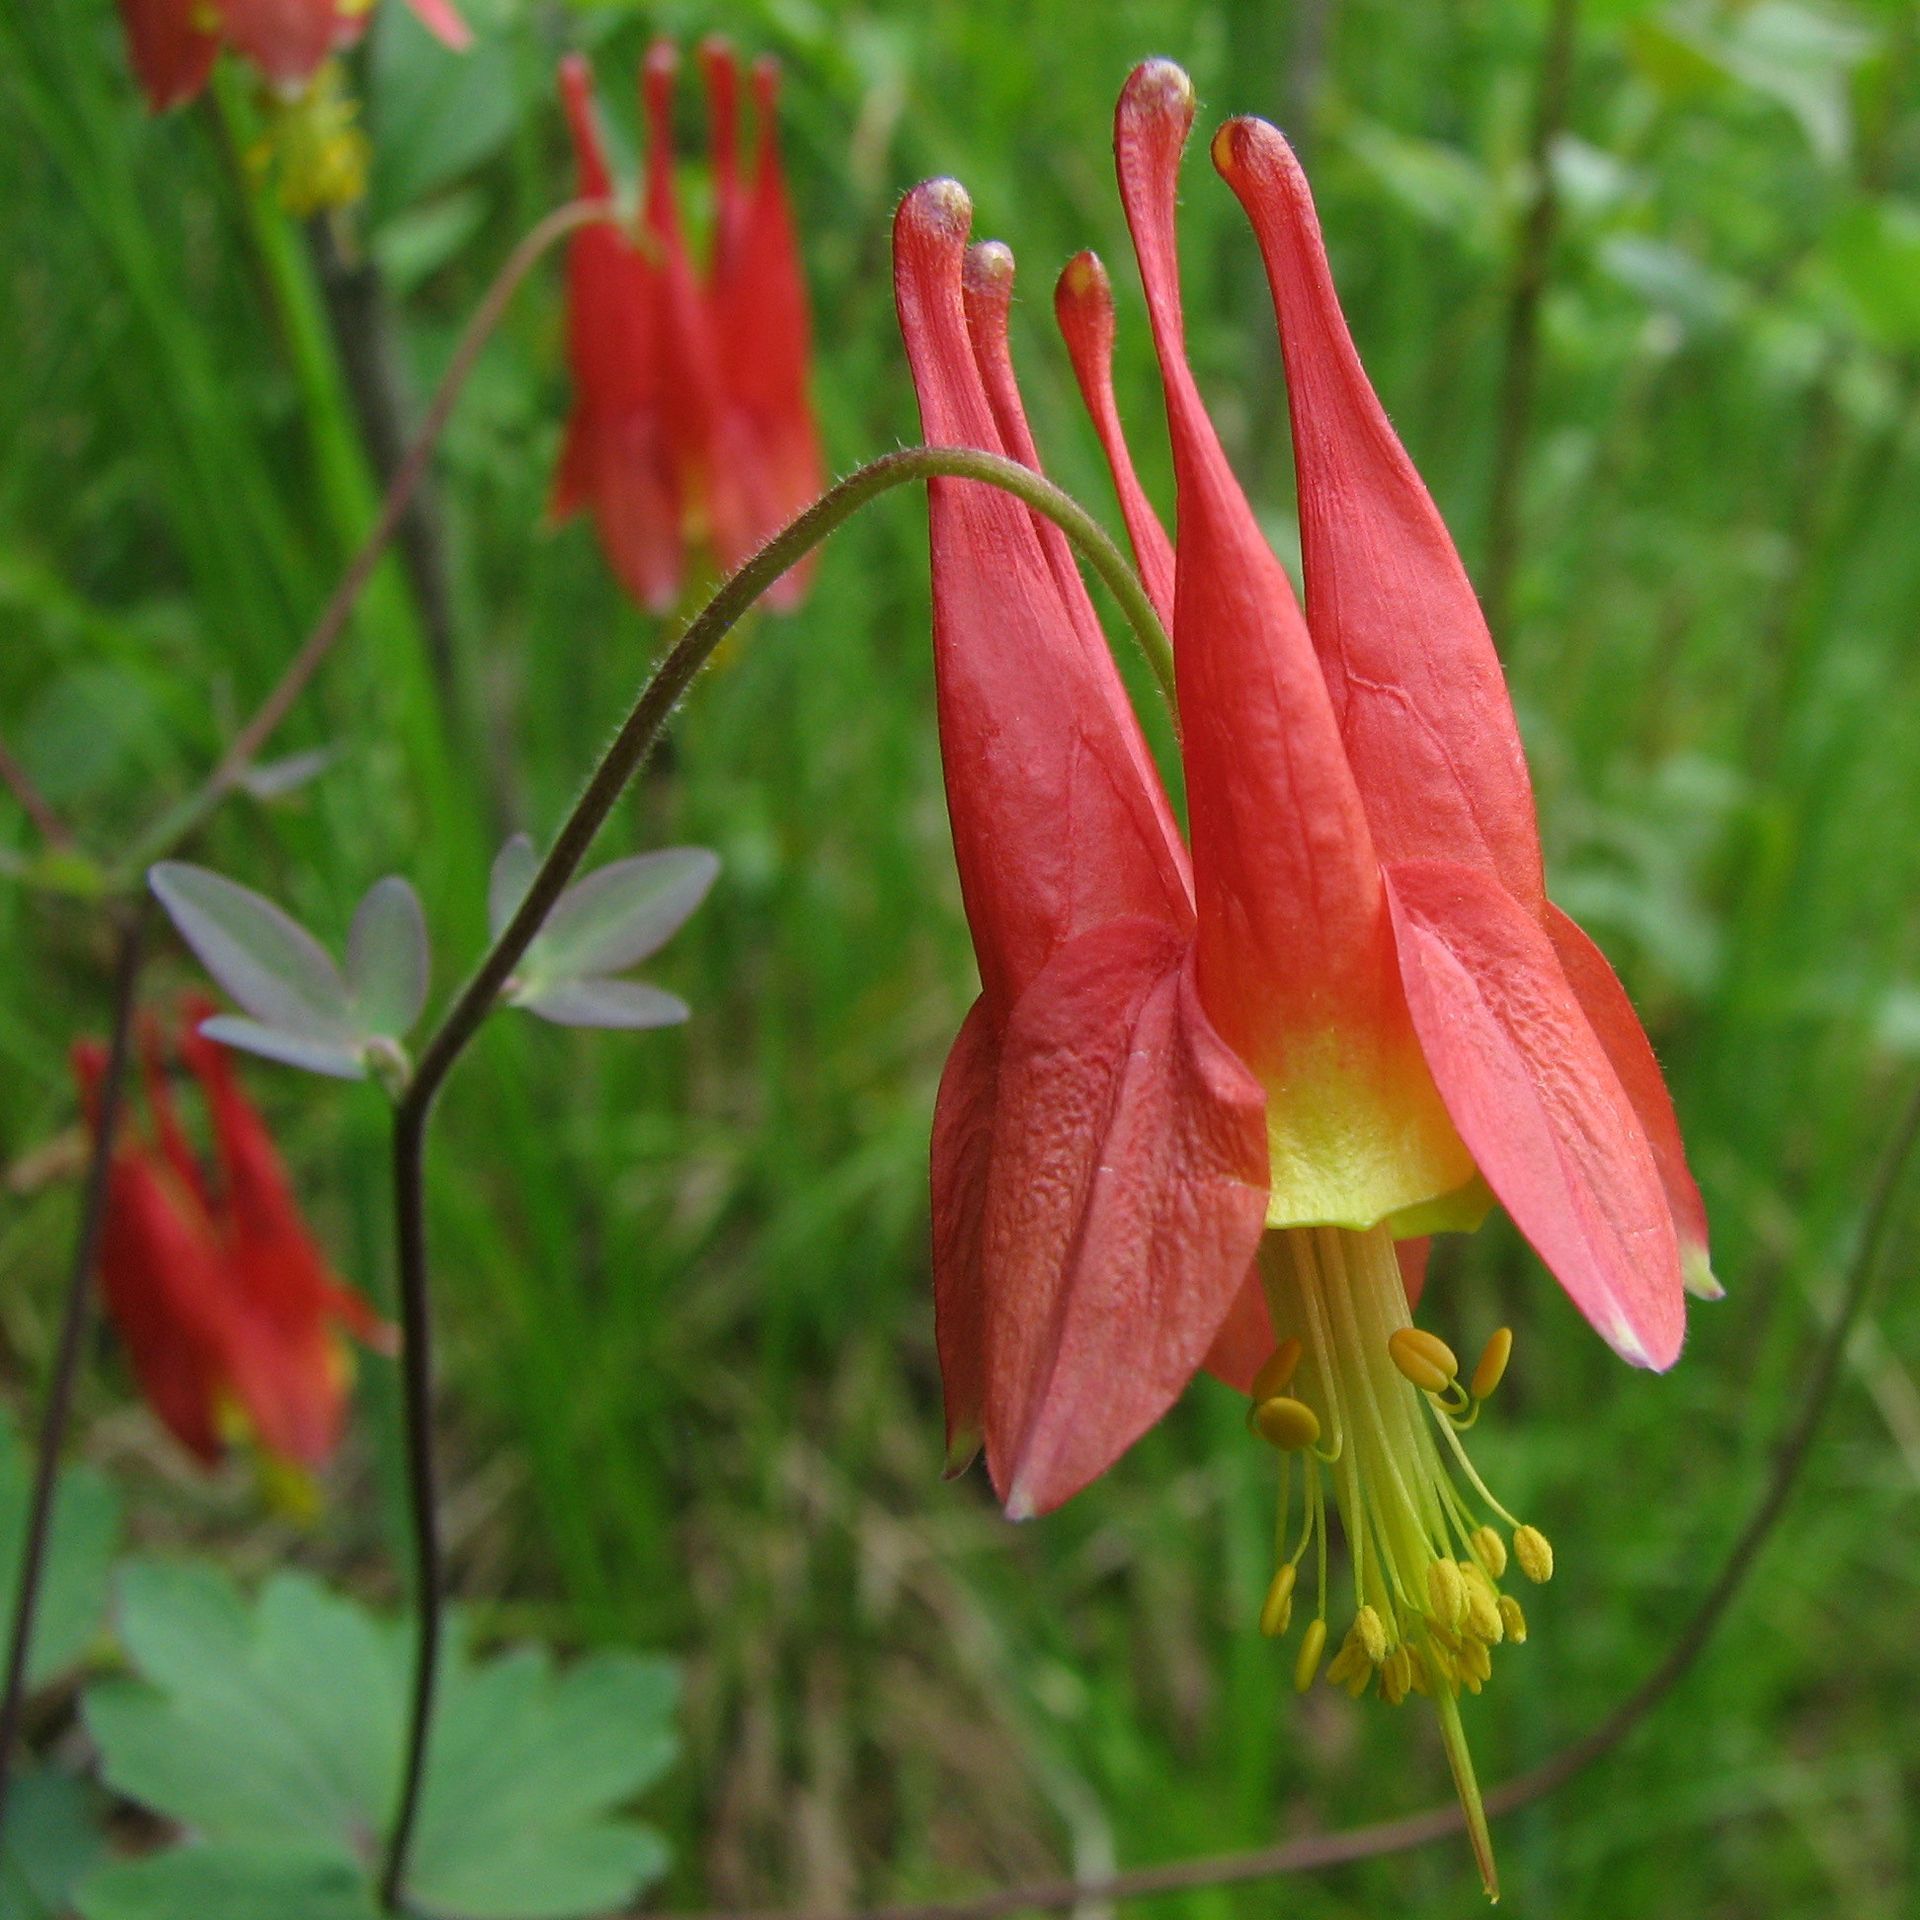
[[1318, 1852], [33, 803], [76, 1319], [622, 760], [246, 745], [1521, 353], [361, 317]]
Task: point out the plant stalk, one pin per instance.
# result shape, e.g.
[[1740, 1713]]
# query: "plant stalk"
[[636, 738], [76, 1319]]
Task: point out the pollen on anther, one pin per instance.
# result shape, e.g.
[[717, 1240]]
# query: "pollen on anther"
[[1373, 1634], [1447, 1592], [1424, 1359], [1535, 1554], [1513, 1619], [1490, 1550]]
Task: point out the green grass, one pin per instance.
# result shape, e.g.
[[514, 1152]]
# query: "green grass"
[[690, 1392]]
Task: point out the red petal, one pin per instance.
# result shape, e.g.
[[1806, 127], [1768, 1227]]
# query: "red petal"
[[722, 74], [766, 350], [1125, 1198], [962, 1144], [1534, 1097], [1617, 1027], [288, 40], [1083, 306], [987, 292], [1422, 702], [172, 53], [1058, 820], [440, 19], [1245, 1339], [1296, 962], [1412, 1255], [1290, 907]]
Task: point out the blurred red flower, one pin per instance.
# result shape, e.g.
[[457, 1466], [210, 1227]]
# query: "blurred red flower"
[[174, 42], [230, 1314], [691, 432]]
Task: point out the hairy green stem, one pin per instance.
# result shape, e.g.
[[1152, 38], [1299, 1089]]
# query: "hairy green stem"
[[621, 761]]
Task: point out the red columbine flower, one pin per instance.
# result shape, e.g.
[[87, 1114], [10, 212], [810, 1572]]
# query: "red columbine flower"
[[228, 1309], [691, 430], [1189, 1121], [174, 42]]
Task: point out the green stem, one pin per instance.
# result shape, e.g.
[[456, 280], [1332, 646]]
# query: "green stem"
[[621, 761]]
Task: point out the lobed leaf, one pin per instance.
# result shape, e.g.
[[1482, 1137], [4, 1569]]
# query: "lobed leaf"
[[387, 959], [621, 914], [270, 1730], [628, 1004], [268, 962]]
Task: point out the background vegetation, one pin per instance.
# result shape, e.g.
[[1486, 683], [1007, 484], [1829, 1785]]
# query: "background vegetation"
[[690, 1398]]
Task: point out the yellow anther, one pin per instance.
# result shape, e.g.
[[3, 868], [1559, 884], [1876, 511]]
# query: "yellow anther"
[[1447, 1592], [1513, 1619], [1476, 1662], [1418, 1677], [1424, 1358], [1357, 1682], [1276, 1374], [1483, 1609], [1372, 1632], [1350, 1661], [1396, 1677], [1286, 1424], [1276, 1611], [1312, 1646], [1535, 1554], [1492, 1362], [1490, 1550]]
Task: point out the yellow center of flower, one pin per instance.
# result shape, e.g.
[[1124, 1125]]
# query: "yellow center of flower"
[[312, 146], [1371, 1408]]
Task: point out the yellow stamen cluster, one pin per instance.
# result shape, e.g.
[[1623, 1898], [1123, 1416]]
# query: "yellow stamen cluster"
[[313, 147], [1362, 1404]]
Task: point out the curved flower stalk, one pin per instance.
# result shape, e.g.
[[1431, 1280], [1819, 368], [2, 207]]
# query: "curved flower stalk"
[[692, 433], [1210, 1105], [232, 1319]]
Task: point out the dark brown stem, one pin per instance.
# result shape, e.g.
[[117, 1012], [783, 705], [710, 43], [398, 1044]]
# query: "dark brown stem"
[[363, 335], [246, 745], [75, 1320], [622, 760], [33, 803], [1521, 352], [1319, 1851]]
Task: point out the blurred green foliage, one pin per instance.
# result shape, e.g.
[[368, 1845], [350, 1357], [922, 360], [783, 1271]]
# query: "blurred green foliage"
[[690, 1391]]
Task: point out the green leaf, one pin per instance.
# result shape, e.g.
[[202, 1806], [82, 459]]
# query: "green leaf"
[[1872, 254], [617, 917], [289, 1049], [630, 1005], [264, 958], [387, 959], [73, 1591], [229, 1883], [272, 1732], [53, 1842], [513, 869]]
